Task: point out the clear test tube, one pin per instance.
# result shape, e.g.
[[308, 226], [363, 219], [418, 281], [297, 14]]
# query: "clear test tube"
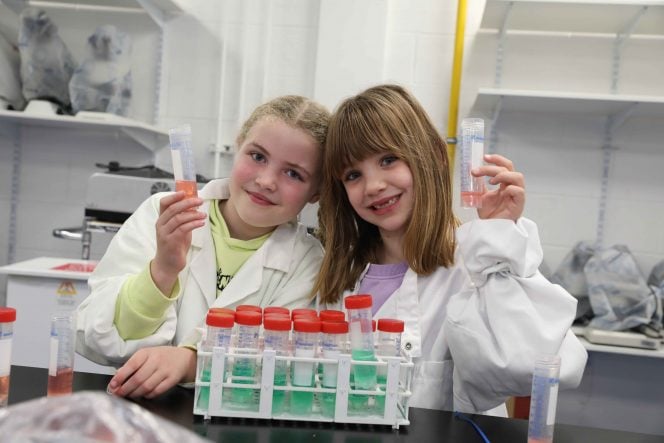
[[244, 369], [182, 156], [389, 345], [543, 399], [305, 337], [61, 363], [333, 340], [219, 329], [472, 153], [361, 347], [7, 319], [276, 337]]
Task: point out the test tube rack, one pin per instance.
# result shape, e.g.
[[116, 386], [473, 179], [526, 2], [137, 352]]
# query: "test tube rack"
[[397, 389]]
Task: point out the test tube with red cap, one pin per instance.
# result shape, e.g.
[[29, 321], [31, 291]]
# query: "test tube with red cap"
[[182, 156], [361, 347], [305, 336], [389, 345], [277, 330], [332, 315], [219, 328], [333, 343], [244, 370], [7, 319]]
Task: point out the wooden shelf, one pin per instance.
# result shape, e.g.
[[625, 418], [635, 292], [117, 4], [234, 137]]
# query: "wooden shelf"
[[575, 16], [150, 137], [517, 100]]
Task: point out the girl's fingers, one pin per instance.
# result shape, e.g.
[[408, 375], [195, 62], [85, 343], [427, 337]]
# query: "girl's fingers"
[[184, 222], [508, 178], [499, 160], [162, 387], [176, 204]]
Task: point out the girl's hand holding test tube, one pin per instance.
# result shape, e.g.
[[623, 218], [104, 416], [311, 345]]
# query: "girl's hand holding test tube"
[[177, 218], [508, 199]]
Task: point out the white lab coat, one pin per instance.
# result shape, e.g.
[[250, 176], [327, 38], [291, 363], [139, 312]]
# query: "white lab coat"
[[474, 329], [281, 272]]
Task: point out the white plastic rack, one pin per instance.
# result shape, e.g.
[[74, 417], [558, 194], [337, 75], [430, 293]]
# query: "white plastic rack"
[[219, 389]]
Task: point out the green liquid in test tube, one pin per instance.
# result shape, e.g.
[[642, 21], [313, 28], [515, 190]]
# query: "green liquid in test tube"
[[362, 348], [306, 333], [244, 369], [219, 327]]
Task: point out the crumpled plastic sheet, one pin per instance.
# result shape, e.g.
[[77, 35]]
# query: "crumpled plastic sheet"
[[571, 276], [618, 292], [87, 417]]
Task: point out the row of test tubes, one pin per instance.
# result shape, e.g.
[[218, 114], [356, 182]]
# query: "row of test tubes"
[[308, 334], [61, 356]]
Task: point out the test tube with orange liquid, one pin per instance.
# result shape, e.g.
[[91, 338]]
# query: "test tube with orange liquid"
[[472, 153], [183, 160], [61, 362]]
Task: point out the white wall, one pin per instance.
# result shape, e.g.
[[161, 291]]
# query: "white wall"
[[225, 57]]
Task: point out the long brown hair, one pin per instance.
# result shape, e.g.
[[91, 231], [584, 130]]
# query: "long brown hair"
[[382, 119]]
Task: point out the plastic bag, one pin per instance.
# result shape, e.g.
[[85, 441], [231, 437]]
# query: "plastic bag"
[[618, 292], [571, 276], [46, 63], [10, 76], [103, 81], [88, 417]]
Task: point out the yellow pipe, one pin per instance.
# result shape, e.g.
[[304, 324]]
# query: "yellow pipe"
[[455, 88]]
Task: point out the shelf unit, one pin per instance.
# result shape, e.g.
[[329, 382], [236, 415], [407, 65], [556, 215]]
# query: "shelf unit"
[[619, 20], [609, 17], [105, 125], [144, 21]]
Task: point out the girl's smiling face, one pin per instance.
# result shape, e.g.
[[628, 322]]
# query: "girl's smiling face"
[[380, 190], [276, 172]]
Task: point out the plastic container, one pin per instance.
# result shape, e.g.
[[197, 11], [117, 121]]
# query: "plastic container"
[[472, 153], [244, 369], [61, 363], [543, 399], [361, 347], [333, 343], [182, 156], [219, 329], [7, 319], [305, 341], [389, 345], [276, 337]]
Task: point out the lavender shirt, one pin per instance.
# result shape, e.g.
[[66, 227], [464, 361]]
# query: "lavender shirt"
[[381, 281]]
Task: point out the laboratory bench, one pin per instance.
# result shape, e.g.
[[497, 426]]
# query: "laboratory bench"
[[176, 405]]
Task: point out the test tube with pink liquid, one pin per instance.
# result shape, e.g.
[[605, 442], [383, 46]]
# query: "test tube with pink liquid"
[[182, 156]]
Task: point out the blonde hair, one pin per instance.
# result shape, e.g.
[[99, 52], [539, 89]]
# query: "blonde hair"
[[383, 119], [294, 110]]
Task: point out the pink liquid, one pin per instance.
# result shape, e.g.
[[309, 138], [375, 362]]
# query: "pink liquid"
[[188, 186], [4, 390], [540, 440], [61, 384], [471, 199]]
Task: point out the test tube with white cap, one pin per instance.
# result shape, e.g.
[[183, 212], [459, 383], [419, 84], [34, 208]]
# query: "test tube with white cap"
[[472, 152], [543, 399], [183, 160]]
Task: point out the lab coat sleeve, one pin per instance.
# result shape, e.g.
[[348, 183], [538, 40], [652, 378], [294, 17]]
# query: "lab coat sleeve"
[[506, 315], [128, 253]]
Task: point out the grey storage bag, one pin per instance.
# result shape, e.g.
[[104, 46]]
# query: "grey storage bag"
[[619, 295]]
